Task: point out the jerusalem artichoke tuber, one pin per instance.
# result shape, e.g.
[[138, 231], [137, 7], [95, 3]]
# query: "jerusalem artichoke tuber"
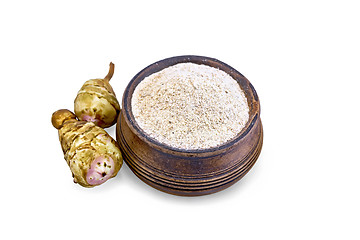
[[92, 155], [96, 101]]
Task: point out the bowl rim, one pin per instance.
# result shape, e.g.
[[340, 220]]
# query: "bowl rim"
[[245, 85]]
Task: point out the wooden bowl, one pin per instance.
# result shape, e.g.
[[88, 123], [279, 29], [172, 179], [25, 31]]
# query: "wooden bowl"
[[189, 172]]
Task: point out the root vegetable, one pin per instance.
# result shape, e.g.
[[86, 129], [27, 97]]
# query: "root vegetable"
[[92, 155], [96, 101]]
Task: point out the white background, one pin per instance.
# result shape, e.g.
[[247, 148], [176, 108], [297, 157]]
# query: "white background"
[[303, 58]]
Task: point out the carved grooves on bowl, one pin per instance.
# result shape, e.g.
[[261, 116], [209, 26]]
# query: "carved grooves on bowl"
[[190, 184]]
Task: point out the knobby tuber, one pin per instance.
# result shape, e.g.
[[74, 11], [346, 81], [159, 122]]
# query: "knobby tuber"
[[96, 101], [92, 155]]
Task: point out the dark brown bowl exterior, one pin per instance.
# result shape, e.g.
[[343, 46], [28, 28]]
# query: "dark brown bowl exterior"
[[189, 172]]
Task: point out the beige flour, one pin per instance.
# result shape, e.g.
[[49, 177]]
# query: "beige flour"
[[190, 106]]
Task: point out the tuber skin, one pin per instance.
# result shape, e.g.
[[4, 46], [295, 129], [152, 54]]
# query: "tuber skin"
[[92, 155], [96, 101]]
